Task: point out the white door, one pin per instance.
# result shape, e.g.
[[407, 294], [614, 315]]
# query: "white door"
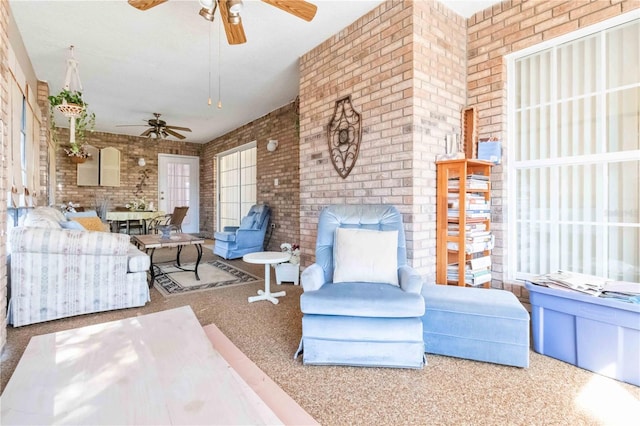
[[179, 185]]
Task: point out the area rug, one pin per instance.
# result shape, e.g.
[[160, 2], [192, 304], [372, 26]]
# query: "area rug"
[[172, 281]]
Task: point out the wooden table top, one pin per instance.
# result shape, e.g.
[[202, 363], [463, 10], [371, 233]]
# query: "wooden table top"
[[156, 369], [156, 240]]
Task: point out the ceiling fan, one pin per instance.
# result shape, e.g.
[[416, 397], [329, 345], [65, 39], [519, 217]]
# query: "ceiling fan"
[[159, 128], [230, 13]]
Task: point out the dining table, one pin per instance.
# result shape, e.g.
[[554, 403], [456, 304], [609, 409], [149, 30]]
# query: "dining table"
[[115, 218]]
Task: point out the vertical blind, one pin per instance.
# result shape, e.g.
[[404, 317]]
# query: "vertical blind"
[[576, 160]]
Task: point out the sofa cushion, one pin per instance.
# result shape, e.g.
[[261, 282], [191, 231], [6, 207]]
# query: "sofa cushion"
[[41, 221], [72, 224], [91, 223], [51, 212], [360, 299], [87, 213], [365, 255]]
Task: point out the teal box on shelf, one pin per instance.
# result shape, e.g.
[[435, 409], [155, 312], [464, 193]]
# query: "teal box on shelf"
[[597, 334]]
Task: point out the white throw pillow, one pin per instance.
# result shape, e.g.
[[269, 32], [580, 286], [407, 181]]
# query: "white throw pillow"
[[365, 255]]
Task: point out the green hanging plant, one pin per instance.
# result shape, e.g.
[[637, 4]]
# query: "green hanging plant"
[[85, 122]]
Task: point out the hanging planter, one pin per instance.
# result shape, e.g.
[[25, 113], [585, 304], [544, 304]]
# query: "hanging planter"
[[70, 103], [70, 110], [77, 153]]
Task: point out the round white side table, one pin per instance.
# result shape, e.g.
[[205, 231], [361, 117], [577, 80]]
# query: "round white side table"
[[267, 258]]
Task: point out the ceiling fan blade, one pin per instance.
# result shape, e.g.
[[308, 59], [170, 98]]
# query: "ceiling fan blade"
[[235, 32], [182, 129], [147, 132], [300, 8], [172, 133], [145, 4]]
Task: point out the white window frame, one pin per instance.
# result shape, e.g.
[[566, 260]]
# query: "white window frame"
[[513, 165], [240, 213]]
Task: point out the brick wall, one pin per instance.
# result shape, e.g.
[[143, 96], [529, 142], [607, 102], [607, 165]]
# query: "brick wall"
[[403, 65], [45, 143], [282, 164], [4, 147], [439, 69], [131, 148], [499, 31]]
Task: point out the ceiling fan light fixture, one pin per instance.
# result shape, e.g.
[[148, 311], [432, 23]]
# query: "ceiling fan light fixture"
[[235, 6], [207, 13], [207, 4], [234, 19]]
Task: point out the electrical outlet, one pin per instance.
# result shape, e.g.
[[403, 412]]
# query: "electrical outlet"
[[273, 226]]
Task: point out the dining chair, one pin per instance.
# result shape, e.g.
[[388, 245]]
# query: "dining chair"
[[174, 219]]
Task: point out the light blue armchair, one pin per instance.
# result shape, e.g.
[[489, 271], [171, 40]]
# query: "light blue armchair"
[[361, 303], [236, 241]]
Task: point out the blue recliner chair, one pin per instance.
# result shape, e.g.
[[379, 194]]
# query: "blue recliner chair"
[[361, 303], [236, 241]]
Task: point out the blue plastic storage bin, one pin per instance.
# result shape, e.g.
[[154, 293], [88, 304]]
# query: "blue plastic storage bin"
[[600, 335]]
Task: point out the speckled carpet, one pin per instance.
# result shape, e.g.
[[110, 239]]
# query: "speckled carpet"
[[447, 391]]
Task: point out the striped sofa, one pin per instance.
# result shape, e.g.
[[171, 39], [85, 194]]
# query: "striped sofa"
[[57, 272]]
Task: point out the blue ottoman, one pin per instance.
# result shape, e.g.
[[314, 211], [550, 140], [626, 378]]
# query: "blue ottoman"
[[473, 323]]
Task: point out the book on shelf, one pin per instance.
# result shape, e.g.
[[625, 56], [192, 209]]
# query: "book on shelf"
[[471, 248], [482, 262], [472, 229], [478, 239], [470, 214], [472, 202], [473, 182], [471, 277], [475, 176], [479, 226]]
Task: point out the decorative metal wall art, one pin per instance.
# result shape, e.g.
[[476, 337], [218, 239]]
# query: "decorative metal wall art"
[[344, 134]]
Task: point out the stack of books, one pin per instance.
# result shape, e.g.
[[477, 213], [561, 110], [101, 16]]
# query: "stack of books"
[[474, 244], [476, 271], [474, 181]]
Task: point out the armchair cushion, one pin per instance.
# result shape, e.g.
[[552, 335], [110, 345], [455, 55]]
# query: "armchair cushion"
[[359, 299], [365, 255], [247, 222], [225, 236]]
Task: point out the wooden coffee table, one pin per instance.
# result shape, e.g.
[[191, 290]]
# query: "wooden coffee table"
[[155, 369], [149, 243]]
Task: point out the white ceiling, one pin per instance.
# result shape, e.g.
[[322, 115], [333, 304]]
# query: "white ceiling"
[[133, 63]]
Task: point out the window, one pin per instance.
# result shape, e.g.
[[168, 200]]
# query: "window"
[[23, 148], [574, 166], [236, 184]]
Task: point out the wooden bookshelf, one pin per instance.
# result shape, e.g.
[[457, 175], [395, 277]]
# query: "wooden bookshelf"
[[463, 223]]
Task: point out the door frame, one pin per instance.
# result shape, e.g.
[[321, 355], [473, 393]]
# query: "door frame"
[[194, 184]]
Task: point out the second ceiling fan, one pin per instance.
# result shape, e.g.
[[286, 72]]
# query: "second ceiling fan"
[[230, 13]]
